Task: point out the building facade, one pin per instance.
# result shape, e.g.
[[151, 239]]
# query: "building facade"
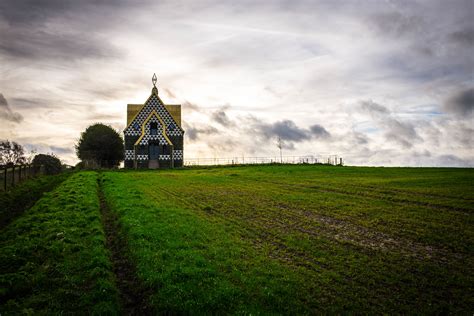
[[153, 136]]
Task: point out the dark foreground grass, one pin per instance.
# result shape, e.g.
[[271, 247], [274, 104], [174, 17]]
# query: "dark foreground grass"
[[53, 260], [20, 198], [300, 239]]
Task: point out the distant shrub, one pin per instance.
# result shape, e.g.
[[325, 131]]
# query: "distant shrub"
[[51, 163]]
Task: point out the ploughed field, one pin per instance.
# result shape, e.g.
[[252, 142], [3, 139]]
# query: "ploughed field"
[[255, 239]]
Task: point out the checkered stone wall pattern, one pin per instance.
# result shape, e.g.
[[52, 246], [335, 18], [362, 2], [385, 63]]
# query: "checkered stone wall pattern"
[[172, 129], [159, 135], [154, 112], [177, 155], [129, 154]]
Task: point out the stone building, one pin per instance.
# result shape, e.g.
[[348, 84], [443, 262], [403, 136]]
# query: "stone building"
[[153, 136]]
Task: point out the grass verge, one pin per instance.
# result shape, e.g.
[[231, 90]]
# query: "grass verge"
[[18, 199], [53, 258]]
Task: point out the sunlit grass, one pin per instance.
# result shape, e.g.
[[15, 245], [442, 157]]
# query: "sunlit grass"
[[300, 239]]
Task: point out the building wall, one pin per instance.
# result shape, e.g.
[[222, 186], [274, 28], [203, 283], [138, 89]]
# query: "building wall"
[[136, 114]]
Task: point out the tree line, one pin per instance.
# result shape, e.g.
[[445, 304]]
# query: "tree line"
[[99, 146], [12, 154]]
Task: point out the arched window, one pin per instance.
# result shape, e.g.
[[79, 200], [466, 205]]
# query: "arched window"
[[153, 128]]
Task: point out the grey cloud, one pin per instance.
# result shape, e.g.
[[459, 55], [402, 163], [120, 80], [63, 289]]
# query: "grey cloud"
[[357, 137], [39, 44], [6, 113], [221, 117], [319, 132], [286, 129], [372, 107], [193, 133], [169, 92], [461, 103], [31, 103], [191, 106], [103, 117], [403, 133], [466, 136], [36, 12], [224, 145], [395, 23], [463, 37], [453, 161], [55, 29]]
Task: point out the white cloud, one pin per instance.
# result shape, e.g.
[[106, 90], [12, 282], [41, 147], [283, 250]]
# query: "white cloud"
[[232, 64]]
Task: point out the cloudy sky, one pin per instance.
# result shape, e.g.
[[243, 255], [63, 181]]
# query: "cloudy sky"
[[376, 82]]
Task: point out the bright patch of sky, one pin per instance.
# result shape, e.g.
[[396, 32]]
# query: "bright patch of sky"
[[376, 82]]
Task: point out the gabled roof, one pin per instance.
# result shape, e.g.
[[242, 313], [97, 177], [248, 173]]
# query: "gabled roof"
[[173, 109], [136, 109]]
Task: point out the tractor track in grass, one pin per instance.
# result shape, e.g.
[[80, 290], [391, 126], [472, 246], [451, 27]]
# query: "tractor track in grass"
[[290, 256], [280, 251], [133, 294], [383, 196], [327, 227]]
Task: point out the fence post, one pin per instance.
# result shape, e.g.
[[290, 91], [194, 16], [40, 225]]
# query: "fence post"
[[13, 176]]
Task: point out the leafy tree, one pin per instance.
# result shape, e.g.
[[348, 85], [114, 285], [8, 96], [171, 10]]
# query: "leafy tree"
[[51, 163], [11, 153], [100, 146]]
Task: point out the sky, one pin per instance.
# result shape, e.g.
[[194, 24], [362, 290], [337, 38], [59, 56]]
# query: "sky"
[[379, 83]]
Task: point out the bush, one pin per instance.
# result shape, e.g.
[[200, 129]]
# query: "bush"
[[100, 146], [51, 163]]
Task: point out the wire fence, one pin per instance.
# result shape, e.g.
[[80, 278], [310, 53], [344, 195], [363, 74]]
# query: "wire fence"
[[13, 175], [309, 159]]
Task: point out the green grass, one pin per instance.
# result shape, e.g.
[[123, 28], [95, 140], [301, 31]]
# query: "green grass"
[[53, 259], [300, 239], [18, 199], [250, 240]]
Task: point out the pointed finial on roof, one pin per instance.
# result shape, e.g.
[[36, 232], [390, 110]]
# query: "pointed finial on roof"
[[153, 79]]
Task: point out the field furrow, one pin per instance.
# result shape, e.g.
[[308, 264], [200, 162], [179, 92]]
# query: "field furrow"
[[53, 258], [245, 240], [340, 251]]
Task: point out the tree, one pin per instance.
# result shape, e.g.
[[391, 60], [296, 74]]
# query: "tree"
[[50, 163], [11, 153], [100, 146]]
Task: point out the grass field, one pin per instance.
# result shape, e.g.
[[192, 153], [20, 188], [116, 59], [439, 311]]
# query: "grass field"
[[53, 259], [254, 239], [15, 201]]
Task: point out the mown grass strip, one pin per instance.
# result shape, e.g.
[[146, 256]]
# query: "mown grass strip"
[[133, 294], [197, 267], [439, 227], [306, 232], [53, 259], [18, 199]]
